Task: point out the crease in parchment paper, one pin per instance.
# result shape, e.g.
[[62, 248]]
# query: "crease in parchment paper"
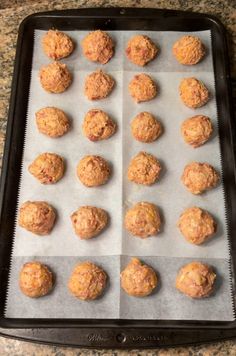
[[112, 249]]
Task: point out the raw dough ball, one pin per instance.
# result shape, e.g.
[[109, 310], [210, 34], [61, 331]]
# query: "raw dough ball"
[[143, 220], [98, 125], [138, 279], [36, 279], [145, 127], [93, 171], [189, 50], [98, 47], [198, 177], [144, 169], [87, 281], [140, 50], [57, 44], [37, 217], [142, 88], [48, 168], [196, 130], [52, 122], [197, 225], [89, 221], [193, 93], [55, 77], [196, 280], [98, 85]]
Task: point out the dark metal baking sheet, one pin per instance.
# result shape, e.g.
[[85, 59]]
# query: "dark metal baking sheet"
[[122, 338], [111, 19]]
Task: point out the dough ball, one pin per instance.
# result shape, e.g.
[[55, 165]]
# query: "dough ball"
[[93, 171], [37, 217], [144, 168], [55, 77], [196, 280], [142, 88], [98, 85], [87, 281], [196, 130], [52, 122], [48, 168], [98, 125], [36, 279], [89, 221], [193, 93], [197, 225], [98, 47], [143, 220], [138, 279], [189, 50], [140, 50], [145, 128], [57, 44], [198, 177]]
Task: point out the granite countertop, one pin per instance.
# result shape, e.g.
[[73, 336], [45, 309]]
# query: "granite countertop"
[[12, 12]]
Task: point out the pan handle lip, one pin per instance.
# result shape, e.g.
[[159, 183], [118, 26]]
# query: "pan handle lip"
[[114, 12], [130, 339]]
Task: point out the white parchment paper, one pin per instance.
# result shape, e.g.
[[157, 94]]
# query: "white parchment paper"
[[165, 303], [60, 303], [169, 193], [62, 248], [69, 193]]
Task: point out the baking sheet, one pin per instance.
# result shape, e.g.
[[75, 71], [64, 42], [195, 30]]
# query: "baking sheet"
[[116, 196]]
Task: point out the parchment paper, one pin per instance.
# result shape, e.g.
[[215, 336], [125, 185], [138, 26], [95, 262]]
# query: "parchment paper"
[[69, 193], [169, 193], [62, 248], [165, 303]]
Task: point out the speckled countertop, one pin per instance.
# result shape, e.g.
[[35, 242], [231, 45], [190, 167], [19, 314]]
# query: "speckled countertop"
[[12, 12]]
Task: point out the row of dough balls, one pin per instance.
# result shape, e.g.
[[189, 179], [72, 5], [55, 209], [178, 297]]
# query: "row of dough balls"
[[56, 78], [88, 281], [144, 168], [98, 46], [98, 125], [142, 220]]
